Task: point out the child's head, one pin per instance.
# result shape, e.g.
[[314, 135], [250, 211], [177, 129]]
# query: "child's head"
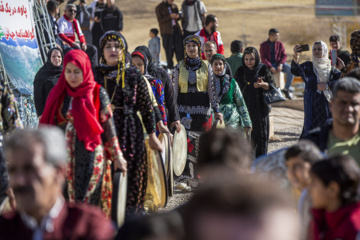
[[334, 182], [299, 159], [153, 32]]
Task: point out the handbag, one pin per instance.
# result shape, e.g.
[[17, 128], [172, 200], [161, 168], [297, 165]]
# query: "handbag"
[[273, 95]]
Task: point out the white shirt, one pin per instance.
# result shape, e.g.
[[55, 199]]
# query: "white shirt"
[[47, 223], [192, 23]]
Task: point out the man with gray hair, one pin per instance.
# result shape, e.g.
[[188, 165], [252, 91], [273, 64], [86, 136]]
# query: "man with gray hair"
[[341, 135], [210, 49], [37, 168]]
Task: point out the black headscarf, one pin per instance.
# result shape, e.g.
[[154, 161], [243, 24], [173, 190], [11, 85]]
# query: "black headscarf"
[[150, 67], [49, 69], [45, 79], [143, 56], [114, 71], [252, 75], [193, 64]]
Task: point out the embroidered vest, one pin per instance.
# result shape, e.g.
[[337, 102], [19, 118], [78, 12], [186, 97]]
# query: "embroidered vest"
[[201, 77]]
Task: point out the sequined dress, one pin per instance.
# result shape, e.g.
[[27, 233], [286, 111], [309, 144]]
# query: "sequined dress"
[[127, 101]]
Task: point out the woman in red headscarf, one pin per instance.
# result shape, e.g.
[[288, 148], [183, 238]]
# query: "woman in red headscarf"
[[82, 108]]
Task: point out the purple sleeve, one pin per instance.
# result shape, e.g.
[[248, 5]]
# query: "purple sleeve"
[[263, 54], [282, 54]]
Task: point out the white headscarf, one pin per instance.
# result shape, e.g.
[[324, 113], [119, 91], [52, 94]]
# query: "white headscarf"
[[322, 67]]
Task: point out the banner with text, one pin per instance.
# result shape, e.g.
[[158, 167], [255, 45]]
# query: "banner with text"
[[19, 50], [335, 8]]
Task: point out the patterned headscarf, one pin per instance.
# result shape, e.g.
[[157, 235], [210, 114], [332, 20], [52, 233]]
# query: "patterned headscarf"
[[193, 64], [143, 56], [114, 35], [355, 48], [195, 39], [217, 56]]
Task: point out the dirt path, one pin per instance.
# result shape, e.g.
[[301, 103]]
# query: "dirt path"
[[288, 127]]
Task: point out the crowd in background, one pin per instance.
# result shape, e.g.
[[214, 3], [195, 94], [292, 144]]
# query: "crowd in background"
[[102, 107]]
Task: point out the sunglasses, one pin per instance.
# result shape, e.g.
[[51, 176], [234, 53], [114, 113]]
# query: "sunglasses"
[[72, 10]]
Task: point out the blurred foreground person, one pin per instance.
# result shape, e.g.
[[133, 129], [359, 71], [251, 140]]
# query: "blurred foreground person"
[[9, 121], [167, 226], [37, 167], [334, 195], [223, 149], [341, 135], [299, 159], [240, 208]]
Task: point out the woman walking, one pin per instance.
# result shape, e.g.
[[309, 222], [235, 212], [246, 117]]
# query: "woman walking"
[[232, 104], [196, 98], [128, 94], [140, 61], [82, 108], [161, 74], [254, 78], [319, 77]]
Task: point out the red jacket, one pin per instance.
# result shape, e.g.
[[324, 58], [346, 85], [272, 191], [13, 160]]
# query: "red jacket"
[[342, 224], [265, 52], [217, 37], [67, 30], [78, 221]]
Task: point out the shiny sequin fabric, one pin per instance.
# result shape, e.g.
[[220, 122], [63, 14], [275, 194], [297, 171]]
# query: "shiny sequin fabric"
[[127, 101]]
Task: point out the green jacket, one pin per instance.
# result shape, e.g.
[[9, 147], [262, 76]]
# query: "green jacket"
[[235, 61]]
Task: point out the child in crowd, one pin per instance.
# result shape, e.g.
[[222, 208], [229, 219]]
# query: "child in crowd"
[[334, 195], [299, 159], [154, 46]]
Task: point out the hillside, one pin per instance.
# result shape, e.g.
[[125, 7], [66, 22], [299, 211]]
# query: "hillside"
[[238, 19]]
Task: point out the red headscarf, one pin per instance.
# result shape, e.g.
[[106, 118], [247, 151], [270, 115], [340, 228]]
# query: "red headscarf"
[[86, 120]]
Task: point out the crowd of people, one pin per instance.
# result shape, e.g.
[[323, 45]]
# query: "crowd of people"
[[98, 102]]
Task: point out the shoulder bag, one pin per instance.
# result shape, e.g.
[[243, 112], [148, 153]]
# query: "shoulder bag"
[[273, 95]]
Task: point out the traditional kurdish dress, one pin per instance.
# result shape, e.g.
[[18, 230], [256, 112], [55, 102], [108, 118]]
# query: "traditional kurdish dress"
[[128, 95], [232, 104], [85, 114], [88, 173], [196, 98], [172, 113], [126, 102], [158, 90]]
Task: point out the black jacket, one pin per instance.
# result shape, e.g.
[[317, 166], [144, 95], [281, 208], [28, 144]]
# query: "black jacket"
[[320, 135], [170, 103], [111, 19]]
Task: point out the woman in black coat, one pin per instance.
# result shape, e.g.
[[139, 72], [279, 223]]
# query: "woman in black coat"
[[47, 77], [254, 78]]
